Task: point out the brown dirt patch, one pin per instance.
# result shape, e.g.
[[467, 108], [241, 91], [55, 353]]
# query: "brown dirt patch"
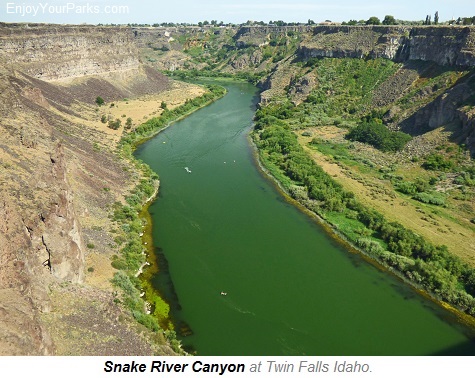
[[85, 322]]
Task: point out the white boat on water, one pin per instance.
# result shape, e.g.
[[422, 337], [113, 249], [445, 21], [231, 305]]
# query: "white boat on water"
[[187, 169]]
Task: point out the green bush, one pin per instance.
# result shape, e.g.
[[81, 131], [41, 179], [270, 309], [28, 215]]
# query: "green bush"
[[407, 187], [436, 162], [119, 264], [431, 198], [114, 125], [379, 136]]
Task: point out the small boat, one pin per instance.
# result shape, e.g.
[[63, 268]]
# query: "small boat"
[[187, 169], [224, 293]]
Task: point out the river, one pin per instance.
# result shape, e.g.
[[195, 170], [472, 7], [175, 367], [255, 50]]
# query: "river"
[[290, 288]]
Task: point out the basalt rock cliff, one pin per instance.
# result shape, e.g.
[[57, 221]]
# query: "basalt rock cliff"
[[450, 46], [54, 166]]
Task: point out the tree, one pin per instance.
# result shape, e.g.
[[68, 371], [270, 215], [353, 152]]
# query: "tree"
[[373, 21], [389, 20], [436, 18], [428, 20], [103, 118], [128, 123], [163, 105], [468, 20], [99, 100]]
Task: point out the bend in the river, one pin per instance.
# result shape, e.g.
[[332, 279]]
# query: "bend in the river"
[[255, 276]]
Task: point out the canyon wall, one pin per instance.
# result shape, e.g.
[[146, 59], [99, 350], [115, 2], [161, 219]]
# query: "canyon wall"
[[56, 159], [444, 45], [53, 52]]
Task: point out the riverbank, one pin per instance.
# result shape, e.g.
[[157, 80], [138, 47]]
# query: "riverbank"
[[339, 237], [145, 303], [293, 180], [224, 228]]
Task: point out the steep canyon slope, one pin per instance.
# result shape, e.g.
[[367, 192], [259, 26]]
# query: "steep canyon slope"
[[59, 176]]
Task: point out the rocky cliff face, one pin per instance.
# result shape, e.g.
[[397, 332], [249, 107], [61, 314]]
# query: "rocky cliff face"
[[53, 52], [254, 36], [54, 165], [39, 230], [444, 45]]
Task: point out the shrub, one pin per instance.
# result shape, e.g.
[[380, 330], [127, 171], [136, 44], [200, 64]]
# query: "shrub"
[[436, 162], [114, 125], [430, 198], [406, 187], [379, 136], [99, 100]]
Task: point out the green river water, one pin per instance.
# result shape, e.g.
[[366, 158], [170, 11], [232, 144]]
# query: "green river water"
[[291, 289]]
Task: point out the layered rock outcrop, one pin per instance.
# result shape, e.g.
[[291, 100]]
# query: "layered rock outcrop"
[[444, 45], [54, 52]]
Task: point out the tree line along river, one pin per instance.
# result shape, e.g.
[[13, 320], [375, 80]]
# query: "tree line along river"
[[252, 275]]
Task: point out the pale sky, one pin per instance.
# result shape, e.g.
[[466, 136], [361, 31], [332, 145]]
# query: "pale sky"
[[234, 11]]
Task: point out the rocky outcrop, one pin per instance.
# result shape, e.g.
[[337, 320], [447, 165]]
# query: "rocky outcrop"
[[354, 42], [467, 117], [443, 110], [255, 36], [301, 87], [444, 45], [54, 165], [54, 52], [247, 60]]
